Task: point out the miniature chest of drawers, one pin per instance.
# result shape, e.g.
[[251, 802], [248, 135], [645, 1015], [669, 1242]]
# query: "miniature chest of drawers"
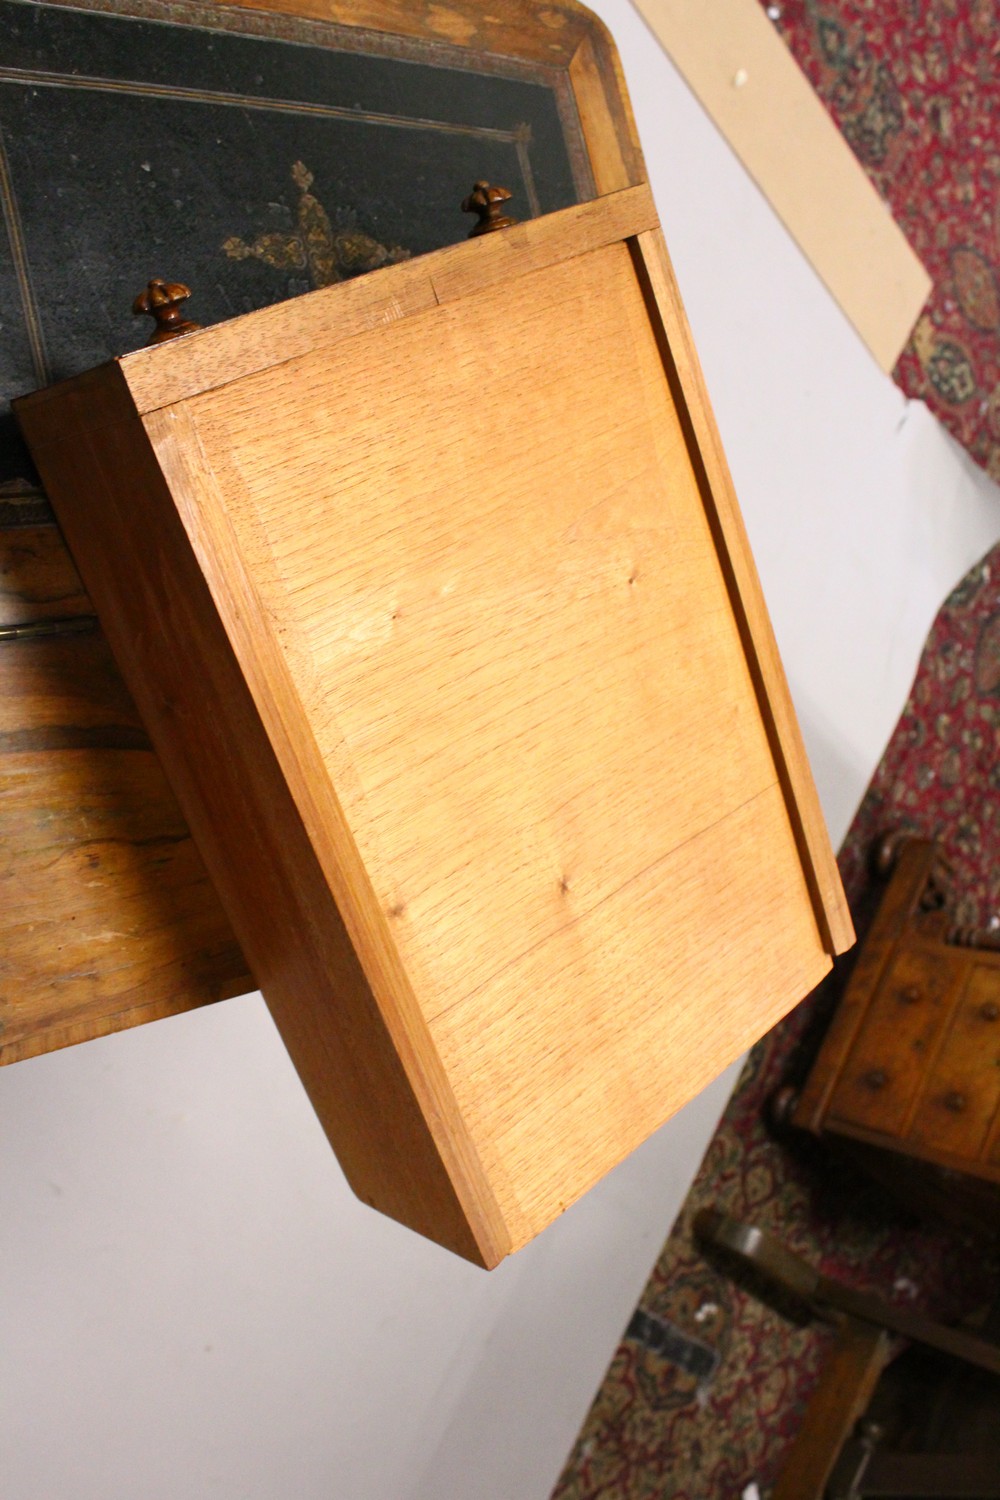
[[911, 1062], [435, 600]]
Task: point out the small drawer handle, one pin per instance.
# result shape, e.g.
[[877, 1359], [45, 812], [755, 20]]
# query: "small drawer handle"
[[910, 995], [875, 1079], [162, 301], [486, 201], [955, 1101], [989, 1010]]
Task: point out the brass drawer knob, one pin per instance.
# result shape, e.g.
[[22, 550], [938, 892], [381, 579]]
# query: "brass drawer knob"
[[955, 1101], [487, 201], [162, 301], [875, 1079]]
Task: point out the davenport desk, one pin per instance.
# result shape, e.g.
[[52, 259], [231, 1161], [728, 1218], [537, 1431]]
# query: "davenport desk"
[[433, 595]]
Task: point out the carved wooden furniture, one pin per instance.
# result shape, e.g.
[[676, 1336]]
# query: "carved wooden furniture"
[[434, 597], [837, 1454], [107, 915], [911, 1062]]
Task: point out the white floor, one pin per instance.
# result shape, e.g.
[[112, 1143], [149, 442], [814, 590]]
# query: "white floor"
[[191, 1302]]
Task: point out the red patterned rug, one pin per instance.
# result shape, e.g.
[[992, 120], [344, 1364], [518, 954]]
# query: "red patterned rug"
[[708, 1385], [915, 87]]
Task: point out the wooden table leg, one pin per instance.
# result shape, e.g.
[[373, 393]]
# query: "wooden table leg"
[[849, 1378]]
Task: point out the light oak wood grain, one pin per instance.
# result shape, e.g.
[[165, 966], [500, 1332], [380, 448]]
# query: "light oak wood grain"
[[599, 92], [565, 1059], [440, 632], [62, 996], [684, 373], [153, 596], [229, 351]]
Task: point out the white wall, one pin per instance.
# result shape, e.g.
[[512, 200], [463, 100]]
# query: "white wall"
[[192, 1304]]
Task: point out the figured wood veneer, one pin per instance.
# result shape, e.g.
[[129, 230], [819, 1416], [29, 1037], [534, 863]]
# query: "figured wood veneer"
[[434, 596], [107, 915]]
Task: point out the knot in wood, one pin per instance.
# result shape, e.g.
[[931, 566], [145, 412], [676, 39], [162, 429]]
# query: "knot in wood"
[[162, 301], [487, 200]]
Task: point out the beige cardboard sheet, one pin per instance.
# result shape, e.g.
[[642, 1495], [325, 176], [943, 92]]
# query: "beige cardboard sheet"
[[739, 68]]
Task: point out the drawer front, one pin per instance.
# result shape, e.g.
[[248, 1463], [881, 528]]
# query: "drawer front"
[[887, 1064], [962, 1094]]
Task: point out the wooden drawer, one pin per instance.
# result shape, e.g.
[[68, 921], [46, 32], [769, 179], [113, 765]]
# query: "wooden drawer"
[[910, 1064], [962, 1095], [433, 595], [886, 1065]]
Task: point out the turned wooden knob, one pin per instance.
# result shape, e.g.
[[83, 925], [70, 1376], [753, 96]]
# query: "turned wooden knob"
[[955, 1101], [487, 201], [162, 301], [910, 995], [875, 1079], [989, 1010]]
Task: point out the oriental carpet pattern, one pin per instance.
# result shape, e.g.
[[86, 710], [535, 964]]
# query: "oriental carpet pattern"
[[914, 85], [708, 1385]]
